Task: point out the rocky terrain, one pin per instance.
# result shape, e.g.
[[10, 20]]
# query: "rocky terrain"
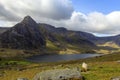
[[24, 35], [58, 74], [29, 35], [63, 35]]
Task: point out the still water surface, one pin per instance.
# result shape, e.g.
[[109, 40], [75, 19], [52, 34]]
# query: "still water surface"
[[57, 58]]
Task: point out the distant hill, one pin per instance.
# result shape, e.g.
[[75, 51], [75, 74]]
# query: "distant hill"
[[103, 40]]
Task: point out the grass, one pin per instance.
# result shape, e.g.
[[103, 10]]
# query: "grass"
[[15, 53], [108, 47], [4, 63], [51, 46], [10, 52], [100, 68], [66, 48], [102, 71]]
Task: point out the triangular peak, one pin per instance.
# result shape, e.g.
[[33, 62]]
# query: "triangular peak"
[[28, 19]]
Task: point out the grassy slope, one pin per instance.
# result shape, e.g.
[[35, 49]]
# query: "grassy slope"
[[101, 68], [59, 41], [108, 47], [65, 48], [17, 53], [51, 48]]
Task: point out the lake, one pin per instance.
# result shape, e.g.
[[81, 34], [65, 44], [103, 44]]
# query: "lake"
[[57, 58]]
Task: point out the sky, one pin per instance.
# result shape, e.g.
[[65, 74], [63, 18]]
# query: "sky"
[[104, 6], [100, 17]]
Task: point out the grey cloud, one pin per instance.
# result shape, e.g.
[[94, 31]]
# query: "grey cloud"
[[7, 15], [13, 10]]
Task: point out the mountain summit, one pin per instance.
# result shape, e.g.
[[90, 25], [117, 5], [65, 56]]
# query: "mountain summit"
[[28, 20], [24, 35]]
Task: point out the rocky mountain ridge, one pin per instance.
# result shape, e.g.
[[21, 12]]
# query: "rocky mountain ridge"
[[24, 35], [30, 35]]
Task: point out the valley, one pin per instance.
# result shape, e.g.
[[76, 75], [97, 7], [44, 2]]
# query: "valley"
[[28, 38]]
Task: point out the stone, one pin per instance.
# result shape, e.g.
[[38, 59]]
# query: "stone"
[[22, 79], [1, 75], [59, 74], [118, 61], [116, 78]]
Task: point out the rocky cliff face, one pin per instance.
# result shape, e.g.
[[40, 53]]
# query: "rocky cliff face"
[[3, 29], [24, 35], [67, 36]]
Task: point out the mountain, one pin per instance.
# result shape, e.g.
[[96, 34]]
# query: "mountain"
[[66, 39], [30, 35], [80, 41], [3, 29], [24, 35], [94, 39], [114, 39], [103, 40], [64, 35]]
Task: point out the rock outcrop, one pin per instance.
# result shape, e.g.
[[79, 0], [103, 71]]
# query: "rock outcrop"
[[24, 35], [22, 79], [59, 74], [61, 35], [116, 78]]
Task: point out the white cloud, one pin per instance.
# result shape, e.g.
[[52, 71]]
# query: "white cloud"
[[7, 23], [95, 22], [53, 9]]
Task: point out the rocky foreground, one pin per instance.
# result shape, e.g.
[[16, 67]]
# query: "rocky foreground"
[[59, 74]]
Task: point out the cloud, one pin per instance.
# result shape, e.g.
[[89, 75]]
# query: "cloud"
[[7, 23], [6, 15], [53, 9], [95, 22], [59, 13]]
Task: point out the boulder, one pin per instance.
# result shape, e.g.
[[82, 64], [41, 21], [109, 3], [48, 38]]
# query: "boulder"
[[58, 74], [118, 61], [22, 79], [116, 78]]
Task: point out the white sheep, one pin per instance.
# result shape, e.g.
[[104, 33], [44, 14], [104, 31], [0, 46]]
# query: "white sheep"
[[84, 67]]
